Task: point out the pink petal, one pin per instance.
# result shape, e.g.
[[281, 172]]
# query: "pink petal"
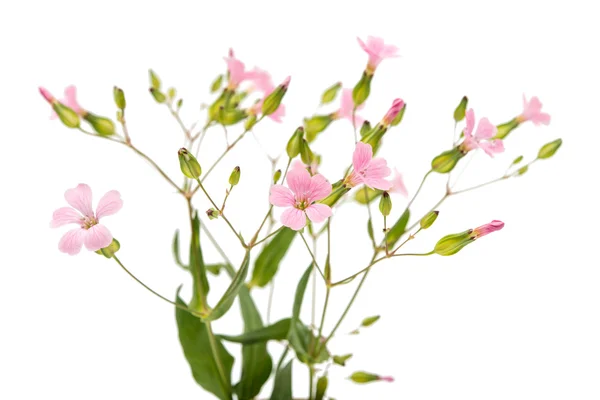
[[236, 71], [47, 95], [398, 185], [97, 237], [293, 218], [299, 181], [319, 188], [261, 80], [70, 99], [80, 198], [376, 173], [470, 123], [278, 114], [281, 196], [109, 204], [347, 107], [485, 129], [486, 229], [492, 147], [363, 153], [64, 216], [318, 212], [298, 164], [72, 241]]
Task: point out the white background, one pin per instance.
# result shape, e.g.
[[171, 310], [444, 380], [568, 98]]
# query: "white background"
[[514, 316]]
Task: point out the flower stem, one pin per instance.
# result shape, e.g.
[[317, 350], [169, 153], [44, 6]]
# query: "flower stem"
[[215, 351], [312, 255]]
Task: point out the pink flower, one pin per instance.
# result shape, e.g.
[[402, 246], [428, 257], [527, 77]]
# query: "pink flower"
[[386, 378], [261, 80], [237, 70], [347, 107], [483, 230], [482, 139], [532, 111], [368, 170], [276, 116], [300, 200], [377, 51], [398, 184], [70, 100], [90, 232], [392, 113], [298, 164]]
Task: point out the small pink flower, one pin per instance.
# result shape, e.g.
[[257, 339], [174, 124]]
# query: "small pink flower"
[[90, 232], [377, 51], [532, 111], [483, 230], [261, 80], [368, 170], [392, 113], [298, 164], [398, 184], [300, 200], [347, 107], [482, 139], [70, 100], [237, 71]]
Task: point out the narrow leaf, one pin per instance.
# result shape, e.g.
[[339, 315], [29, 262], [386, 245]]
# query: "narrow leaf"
[[176, 252], [396, 231], [282, 388], [270, 257], [232, 291], [277, 331], [341, 360], [370, 320], [198, 270]]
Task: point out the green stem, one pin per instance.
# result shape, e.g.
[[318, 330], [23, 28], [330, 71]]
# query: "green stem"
[[311, 379], [312, 255], [268, 236], [213, 347]]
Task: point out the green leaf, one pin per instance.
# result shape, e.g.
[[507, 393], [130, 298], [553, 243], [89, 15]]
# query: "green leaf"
[[154, 80], [330, 93], [396, 231], [175, 248], [294, 336], [215, 269], [267, 262], [198, 270], [282, 388], [232, 291], [277, 331], [321, 387], [341, 360], [256, 361], [370, 320], [193, 336], [216, 84]]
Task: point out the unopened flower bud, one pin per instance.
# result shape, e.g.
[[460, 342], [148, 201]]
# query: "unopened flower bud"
[[549, 149], [190, 167], [230, 116], [272, 101], [276, 176], [370, 320], [366, 377], [361, 91], [393, 112], [119, 96], [385, 204], [365, 129], [295, 143], [452, 244], [365, 196], [158, 95], [330, 93], [486, 229], [171, 93], [506, 128], [66, 115], [217, 83], [517, 160], [234, 178], [306, 153], [459, 112], [446, 161], [399, 117], [250, 122], [322, 383], [339, 190], [154, 80], [429, 219], [315, 125], [103, 126], [523, 170], [212, 213]]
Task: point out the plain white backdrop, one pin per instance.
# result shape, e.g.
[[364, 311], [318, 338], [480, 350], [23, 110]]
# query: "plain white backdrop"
[[513, 316]]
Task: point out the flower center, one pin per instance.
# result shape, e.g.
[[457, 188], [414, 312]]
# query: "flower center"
[[88, 222], [302, 204]]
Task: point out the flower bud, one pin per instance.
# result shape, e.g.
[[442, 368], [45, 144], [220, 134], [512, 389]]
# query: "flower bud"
[[212, 213], [399, 117], [110, 250], [365, 129], [452, 244], [230, 116], [321, 387], [486, 229], [315, 125], [523, 170], [341, 360], [506, 128], [217, 83], [250, 122], [375, 136], [370, 320], [103, 126], [171, 93], [158, 95], [272, 101], [549, 149], [446, 161], [306, 153], [361, 91], [66, 115], [459, 112], [179, 104], [366, 195], [429, 219], [154, 80], [330, 93], [393, 112], [234, 178], [295, 143], [517, 160], [276, 176], [385, 204], [119, 96], [339, 190], [190, 167], [366, 377]]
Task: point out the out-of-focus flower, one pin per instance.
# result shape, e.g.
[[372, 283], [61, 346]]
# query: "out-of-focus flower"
[[368, 170], [532, 111], [377, 50], [347, 108], [482, 139]]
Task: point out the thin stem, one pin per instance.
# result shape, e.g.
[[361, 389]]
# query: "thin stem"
[[312, 255], [180, 122], [227, 192], [409, 238], [268, 236], [370, 214], [322, 324], [419, 189], [480, 185], [229, 266], [314, 287], [213, 347], [311, 377], [385, 235], [354, 125], [270, 301], [160, 171]]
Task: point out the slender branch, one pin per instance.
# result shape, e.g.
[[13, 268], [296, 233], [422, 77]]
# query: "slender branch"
[[419, 189], [312, 255], [480, 185], [175, 114], [160, 171], [268, 236]]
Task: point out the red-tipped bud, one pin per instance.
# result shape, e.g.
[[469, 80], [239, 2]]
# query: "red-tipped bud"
[[483, 230], [47, 95], [397, 105]]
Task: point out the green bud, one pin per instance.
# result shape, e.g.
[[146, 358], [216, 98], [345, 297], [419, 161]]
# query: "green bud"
[[366, 195], [429, 219], [250, 122], [179, 104], [446, 161], [171, 93], [385, 204], [215, 108], [315, 125], [119, 96], [66, 115], [327, 270], [354, 332], [234, 178], [321, 387], [365, 129], [306, 153], [374, 137], [399, 116], [517, 160], [364, 377], [523, 169], [330, 93], [154, 80], [231, 116], [452, 244], [276, 176], [339, 190], [361, 91], [271, 102], [506, 128], [110, 250], [549, 149], [370, 229], [459, 112], [158, 96], [212, 213], [295, 143], [341, 360], [102, 125], [370, 320], [217, 83], [188, 164]]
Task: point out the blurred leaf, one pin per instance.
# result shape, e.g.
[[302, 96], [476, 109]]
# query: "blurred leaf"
[[341, 360], [370, 320], [215, 269], [232, 291], [277, 331], [330, 93], [267, 262], [198, 270], [367, 195], [176, 251], [399, 228], [295, 336], [282, 388], [154, 80], [321, 387]]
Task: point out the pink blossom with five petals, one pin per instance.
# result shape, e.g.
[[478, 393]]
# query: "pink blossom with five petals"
[[368, 170], [90, 232], [377, 51], [482, 139], [532, 111], [237, 71], [347, 108], [301, 197]]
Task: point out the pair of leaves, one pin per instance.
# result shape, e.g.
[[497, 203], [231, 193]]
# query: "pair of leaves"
[[267, 262]]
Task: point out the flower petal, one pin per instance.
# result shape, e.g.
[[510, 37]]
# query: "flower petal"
[[398, 185], [109, 204], [281, 196], [470, 123], [485, 129], [293, 218], [363, 153], [80, 198], [97, 237], [72, 241], [318, 212], [299, 181], [492, 147], [319, 188], [64, 216], [375, 174]]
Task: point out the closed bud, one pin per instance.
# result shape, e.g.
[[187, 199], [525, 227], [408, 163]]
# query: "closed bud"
[[110, 250], [523, 170], [506, 128], [271, 102], [370, 320], [250, 122], [315, 125], [66, 115], [446, 161], [429, 219], [366, 377], [179, 104], [366, 195], [103, 126], [119, 98], [295, 143], [452, 244], [190, 167], [321, 387], [171, 93], [549, 149], [341, 360], [158, 95], [399, 117], [230, 116], [385, 204], [361, 91], [393, 112], [212, 213], [154, 80], [217, 83], [339, 190], [330, 93], [234, 178], [306, 153], [365, 129], [459, 112], [276, 176], [375, 136], [517, 160]]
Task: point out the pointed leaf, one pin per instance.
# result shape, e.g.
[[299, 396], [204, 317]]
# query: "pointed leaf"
[[370, 320], [341, 360], [277, 331], [282, 388], [267, 262], [232, 291], [176, 251], [399, 228], [198, 270]]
